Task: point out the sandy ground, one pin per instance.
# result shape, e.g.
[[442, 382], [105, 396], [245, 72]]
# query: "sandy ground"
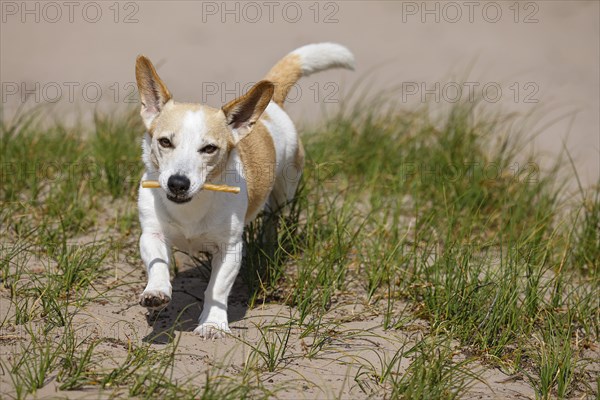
[[356, 341], [540, 56]]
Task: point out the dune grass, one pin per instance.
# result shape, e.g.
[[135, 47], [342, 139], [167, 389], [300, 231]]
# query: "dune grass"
[[442, 215]]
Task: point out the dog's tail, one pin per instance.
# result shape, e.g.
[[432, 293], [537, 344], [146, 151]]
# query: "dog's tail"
[[305, 61]]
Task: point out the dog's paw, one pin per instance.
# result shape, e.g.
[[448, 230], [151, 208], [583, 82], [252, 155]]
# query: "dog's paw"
[[212, 330], [154, 299]]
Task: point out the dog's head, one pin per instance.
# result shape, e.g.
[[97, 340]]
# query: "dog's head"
[[190, 143]]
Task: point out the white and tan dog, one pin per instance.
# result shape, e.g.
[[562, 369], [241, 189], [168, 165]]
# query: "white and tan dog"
[[250, 142]]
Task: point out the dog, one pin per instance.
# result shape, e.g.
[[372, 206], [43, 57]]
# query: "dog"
[[250, 142]]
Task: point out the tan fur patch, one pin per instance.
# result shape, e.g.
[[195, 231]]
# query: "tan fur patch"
[[284, 75], [257, 152]]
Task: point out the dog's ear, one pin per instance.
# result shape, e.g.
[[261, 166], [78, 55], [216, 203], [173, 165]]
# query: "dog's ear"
[[153, 92], [243, 112]]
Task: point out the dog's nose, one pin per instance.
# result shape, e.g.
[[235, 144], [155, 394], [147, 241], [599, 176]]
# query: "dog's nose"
[[178, 184]]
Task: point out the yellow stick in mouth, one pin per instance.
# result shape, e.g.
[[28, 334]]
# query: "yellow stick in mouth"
[[207, 186]]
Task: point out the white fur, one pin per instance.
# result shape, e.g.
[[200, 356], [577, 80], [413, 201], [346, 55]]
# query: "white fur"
[[321, 56], [214, 221]]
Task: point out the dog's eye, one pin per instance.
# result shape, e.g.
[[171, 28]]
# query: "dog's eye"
[[209, 149], [164, 142]]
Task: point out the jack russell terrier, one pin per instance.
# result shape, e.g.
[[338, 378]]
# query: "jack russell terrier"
[[250, 142]]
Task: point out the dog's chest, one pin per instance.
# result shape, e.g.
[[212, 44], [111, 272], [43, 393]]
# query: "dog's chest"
[[196, 235], [205, 222]]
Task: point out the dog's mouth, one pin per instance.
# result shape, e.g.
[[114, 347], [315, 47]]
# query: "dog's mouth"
[[179, 199]]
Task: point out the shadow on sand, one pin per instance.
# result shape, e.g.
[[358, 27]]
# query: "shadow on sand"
[[182, 313]]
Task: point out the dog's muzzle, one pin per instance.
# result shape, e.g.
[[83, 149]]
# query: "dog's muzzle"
[[178, 189]]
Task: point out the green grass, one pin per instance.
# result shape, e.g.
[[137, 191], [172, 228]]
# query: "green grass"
[[414, 218], [432, 373]]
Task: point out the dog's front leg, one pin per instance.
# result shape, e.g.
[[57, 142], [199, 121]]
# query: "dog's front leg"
[[155, 254], [225, 267]]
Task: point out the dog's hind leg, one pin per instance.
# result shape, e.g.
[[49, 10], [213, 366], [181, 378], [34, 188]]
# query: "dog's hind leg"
[[155, 254]]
